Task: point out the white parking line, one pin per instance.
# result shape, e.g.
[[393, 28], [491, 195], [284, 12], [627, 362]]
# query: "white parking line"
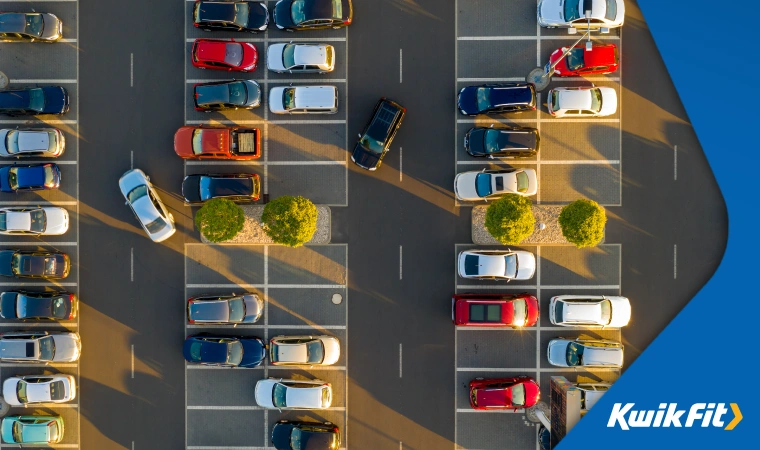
[[675, 261], [261, 122], [475, 120], [400, 65], [131, 70], [675, 163], [68, 41], [568, 329], [273, 286], [67, 325], [43, 81], [249, 408], [132, 264], [31, 161], [400, 361], [266, 163], [490, 80], [39, 284], [39, 243], [264, 327], [133, 362], [39, 122], [524, 287], [534, 369], [262, 40], [39, 365], [400, 262], [39, 203], [543, 162], [400, 164], [283, 81]]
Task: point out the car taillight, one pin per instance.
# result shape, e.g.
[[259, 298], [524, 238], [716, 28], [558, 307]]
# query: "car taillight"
[[190, 321], [335, 429]]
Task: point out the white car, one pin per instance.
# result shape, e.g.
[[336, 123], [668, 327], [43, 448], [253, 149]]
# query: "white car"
[[564, 352], [27, 142], [303, 100], [588, 101], [280, 393], [590, 394], [497, 264], [300, 58], [491, 184], [40, 346], [572, 14], [50, 221], [30, 389], [155, 219], [589, 311], [304, 350]]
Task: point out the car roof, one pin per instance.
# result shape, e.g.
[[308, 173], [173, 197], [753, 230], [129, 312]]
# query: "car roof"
[[292, 352], [19, 348], [145, 209], [217, 11], [489, 264], [215, 93], [310, 54], [604, 356], [304, 396], [15, 220], [575, 98], [318, 9], [228, 186], [30, 175], [214, 140], [14, 98], [508, 95], [600, 55], [213, 50], [13, 22], [582, 312], [33, 140], [211, 310], [315, 96]]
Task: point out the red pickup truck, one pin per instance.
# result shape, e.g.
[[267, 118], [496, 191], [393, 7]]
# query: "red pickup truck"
[[237, 143]]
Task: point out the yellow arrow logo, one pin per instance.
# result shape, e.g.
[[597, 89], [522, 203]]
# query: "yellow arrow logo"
[[737, 417]]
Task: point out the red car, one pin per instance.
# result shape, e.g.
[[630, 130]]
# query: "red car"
[[603, 58], [224, 55], [199, 142], [504, 393], [494, 310]]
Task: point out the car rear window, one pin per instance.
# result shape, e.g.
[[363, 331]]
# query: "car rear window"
[[485, 313], [380, 128], [611, 12]]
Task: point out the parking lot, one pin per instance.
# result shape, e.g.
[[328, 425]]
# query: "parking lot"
[[28, 65], [297, 286]]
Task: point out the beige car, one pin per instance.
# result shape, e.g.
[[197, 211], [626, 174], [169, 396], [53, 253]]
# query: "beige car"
[[304, 350]]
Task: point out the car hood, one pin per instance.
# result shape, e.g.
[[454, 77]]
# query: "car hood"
[[8, 305], [9, 391], [274, 57], [281, 14], [56, 100], [550, 11], [609, 101], [254, 353], [466, 101], [464, 186], [67, 347], [557, 352], [4, 184], [254, 307], [621, 311], [183, 142], [281, 435], [57, 221], [526, 265], [332, 349], [263, 393], [596, 356], [53, 28], [364, 158], [6, 256], [258, 16], [275, 99]]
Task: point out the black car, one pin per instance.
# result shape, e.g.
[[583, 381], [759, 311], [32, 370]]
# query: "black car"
[[377, 135], [242, 187], [34, 101], [29, 177], [30, 27], [221, 95], [497, 98], [53, 305], [288, 435], [34, 264], [225, 351], [230, 15], [512, 142], [291, 15]]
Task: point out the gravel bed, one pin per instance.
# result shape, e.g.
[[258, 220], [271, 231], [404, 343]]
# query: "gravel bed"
[[546, 214], [253, 233]]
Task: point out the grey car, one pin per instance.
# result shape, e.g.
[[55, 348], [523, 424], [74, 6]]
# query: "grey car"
[[224, 309], [30, 27], [155, 219], [40, 346], [31, 143]]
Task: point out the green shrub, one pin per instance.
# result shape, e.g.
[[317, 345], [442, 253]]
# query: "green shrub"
[[219, 220], [290, 221], [510, 219], [582, 223]]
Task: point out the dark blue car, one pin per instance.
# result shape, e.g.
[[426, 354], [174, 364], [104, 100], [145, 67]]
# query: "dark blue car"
[[226, 351], [34, 101], [497, 98], [31, 177]]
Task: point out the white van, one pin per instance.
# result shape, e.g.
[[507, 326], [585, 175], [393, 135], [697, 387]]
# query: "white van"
[[303, 100]]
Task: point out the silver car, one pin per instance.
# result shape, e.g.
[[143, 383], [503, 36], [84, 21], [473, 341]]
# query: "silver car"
[[51, 220], [497, 264], [31, 143], [40, 346], [155, 219], [224, 309], [602, 353], [280, 393], [303, 100], [603, 14], [31, 389], [300, 58]]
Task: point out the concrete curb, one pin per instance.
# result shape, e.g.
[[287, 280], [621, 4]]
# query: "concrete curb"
[[253, 233]]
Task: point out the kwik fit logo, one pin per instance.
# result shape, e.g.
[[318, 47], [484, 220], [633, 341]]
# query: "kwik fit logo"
[[668, 415]]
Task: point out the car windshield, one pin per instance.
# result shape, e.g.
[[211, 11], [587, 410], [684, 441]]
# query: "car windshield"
[[18, 432], [596, 100], [36, 99], [279, 393], [34, 24], [47, 348], [11, 141], [289, 98], [156, 225], [233, 54], [315, 352], [59, 307], [518, 394], [297, 13], [21, 306], [234, 352], [491, 141], [21, 391], [136, 193], [372, 144], [13, 177], [559, 314], [572, 9], [195, 350], [238, 93], [197, 142], [483, 99], [611, 10], [574, 354], [205, 188], [574, 58], [295, 439], [510, 270], [57, 391], [483, 184], [39, 221], [288, 56], [241, 13], [520, 308], [49, 266], [555, 101], [337, 9], [522, 182], [606, 306], [53, 430], [237, 309]]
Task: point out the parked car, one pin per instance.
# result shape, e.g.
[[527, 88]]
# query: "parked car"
[[29, 177], [289, 435], [224, 95], [504, 393], [34, 101], [590, 394], [201, 142], [31, 143], [24, 390], [544, 438], [38, 430], [23, 305], [496, 98], [292, 15], [572, 14], [589, 311], [34, 264], [304, 350], [488, 184], [602, 59], [497, 264], [30, 27], [223, 309], [226, 55], [510, 142], [587, 101], [224, 351], [155, 219], [377, 136], [230, 15], [34, 221], [301, 58], [281, 393], [238, 187], [581, 352], [303, 100], [40, 346], [494, 310]]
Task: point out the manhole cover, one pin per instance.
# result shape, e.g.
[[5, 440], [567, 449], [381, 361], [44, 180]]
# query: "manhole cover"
[[337, 299]]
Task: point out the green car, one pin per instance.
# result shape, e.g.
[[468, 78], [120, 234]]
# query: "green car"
[[32, 429]]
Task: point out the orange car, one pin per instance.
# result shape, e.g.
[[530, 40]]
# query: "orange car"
[[236, 143]]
